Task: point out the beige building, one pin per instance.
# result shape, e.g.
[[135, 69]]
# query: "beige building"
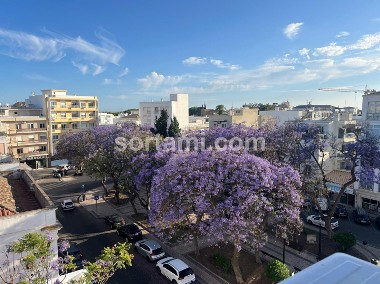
[[246, 116], [65, 113], [26, 135]]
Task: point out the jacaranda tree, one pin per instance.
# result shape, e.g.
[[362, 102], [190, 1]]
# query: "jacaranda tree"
[[225, 196]]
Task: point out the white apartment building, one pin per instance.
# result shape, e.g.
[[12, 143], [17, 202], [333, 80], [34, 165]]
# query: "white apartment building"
[[106, 118], [65, 113], [278, 116], [178, 107], [368, 195]]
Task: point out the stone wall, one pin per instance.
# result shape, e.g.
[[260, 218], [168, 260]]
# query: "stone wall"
[[39, 193]]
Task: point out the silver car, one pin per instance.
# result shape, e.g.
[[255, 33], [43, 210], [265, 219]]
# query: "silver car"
[[150, 249]]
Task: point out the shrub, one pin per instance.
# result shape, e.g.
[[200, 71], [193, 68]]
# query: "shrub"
[[276, 270], [346, 240], [221, 262]]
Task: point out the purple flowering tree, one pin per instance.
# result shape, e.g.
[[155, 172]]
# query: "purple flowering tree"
[[225, 196], [313, 153]]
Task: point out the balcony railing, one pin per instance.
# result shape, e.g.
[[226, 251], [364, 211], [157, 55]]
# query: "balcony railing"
[[29, 129]]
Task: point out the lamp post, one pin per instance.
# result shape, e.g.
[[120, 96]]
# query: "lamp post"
[[320, 241], [283, 251]]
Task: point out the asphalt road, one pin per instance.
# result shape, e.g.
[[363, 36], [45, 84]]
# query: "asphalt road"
[[92, 234], [368, 233]]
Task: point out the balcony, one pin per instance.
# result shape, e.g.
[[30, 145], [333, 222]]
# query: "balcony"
[[30, 129]]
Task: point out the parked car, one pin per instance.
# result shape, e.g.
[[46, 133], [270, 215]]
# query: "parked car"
[[361, 216], [377, 221], [340, 211], [115, 221], [67, 204], [130, 231], [175, 270], [150, 249], [306, 202], [318, 221], [74, 251]]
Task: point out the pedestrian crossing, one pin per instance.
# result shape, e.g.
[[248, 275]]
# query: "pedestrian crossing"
[[49, 184]]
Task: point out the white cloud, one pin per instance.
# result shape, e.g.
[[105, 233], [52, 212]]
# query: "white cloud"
[[366, 42], [304, 52], [292, 30], [108, 81], [124, 72], [82, 67], [154, 79], [193, 60], [220, 64], [331, 50], [53, 47], [343, 34], [97, 69]]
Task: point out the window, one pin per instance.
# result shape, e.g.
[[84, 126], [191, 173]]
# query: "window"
[[42, 137], [18, 126], [92, 125], [63, 114], [42, 149], [83, 125], [63, 126], [156, 110], [340, 133], [74, 126], [54, 116], [55, 137], [30, 125], [91, 104], [20, 151], [63, 104], [54, 126], [42, 125], [74, 103], [53, 105], [82, 105], [83, 115], [31, 138]]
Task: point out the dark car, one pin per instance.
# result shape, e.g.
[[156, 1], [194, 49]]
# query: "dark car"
[[340, 211], [377, 221], [130, 231], [361, 216], [115, 221], [74, 251]]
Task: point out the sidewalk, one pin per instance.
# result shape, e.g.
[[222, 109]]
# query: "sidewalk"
[[296, 260]]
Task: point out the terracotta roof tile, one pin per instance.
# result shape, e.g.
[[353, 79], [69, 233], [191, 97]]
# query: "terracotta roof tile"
[[6, 195], [338, 177]]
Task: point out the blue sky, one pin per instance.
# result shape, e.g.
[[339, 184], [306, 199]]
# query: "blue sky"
[[217, 51]]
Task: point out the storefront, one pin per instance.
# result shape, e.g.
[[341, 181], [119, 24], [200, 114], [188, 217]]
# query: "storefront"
[[35, 162], [347, 198], [368, 199]]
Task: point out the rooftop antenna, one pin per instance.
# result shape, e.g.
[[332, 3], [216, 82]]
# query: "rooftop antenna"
[[33, 93]]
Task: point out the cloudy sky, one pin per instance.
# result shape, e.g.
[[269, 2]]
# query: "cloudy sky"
[[217, 51]]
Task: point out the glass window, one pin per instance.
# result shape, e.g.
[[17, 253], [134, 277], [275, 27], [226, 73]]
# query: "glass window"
[[20, 150], [74, 126], [53, 104], [54, 126], [63, 114], [63, 104], [83, 125], [30, 125], [42, 125], [63, 126]]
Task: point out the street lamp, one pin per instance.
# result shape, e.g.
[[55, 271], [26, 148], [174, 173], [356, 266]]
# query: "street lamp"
[[320, 241]]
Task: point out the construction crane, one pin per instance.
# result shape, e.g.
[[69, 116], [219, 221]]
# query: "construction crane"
[[346, 90]]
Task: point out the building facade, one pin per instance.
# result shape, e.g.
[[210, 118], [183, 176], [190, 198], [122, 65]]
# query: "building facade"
[[178, 107], [367, 194], [246, 116], [26, 135], [65, 113]]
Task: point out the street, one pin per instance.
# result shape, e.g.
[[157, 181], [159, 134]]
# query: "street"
[[92, 234], [368, 233]]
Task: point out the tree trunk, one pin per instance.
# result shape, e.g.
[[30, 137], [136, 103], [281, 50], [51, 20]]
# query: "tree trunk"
[[257, 256], [328, 227], [132, 200], [117, 193], [104, 180], [196, 245], [236, 266]]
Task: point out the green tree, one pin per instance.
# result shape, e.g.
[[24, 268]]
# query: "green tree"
[[174, 129], [195, 111], [161, 125], [38, 263], [220, 109], [276, 270], [346, 240]]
